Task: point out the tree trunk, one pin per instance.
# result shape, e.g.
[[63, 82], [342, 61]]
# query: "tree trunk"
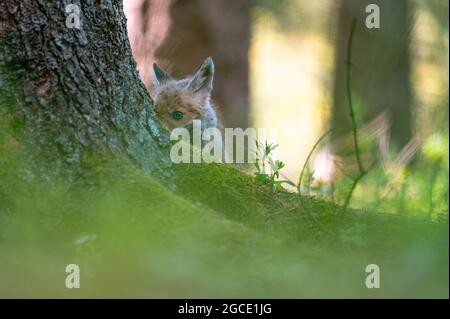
[[76, 89]]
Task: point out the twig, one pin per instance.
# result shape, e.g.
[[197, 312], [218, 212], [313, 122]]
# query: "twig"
[[349, 95], [362, 171], [349, 195]]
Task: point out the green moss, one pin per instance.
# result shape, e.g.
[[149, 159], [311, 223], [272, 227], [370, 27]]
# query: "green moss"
[[217, 233]]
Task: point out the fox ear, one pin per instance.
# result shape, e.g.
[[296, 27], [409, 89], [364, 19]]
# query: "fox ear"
[[160, 77], [203, 78]]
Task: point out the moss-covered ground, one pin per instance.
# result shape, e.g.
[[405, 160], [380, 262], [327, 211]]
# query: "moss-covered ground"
[[212, 231]]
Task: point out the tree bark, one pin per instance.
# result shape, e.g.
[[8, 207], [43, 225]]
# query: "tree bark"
[[75, 90]]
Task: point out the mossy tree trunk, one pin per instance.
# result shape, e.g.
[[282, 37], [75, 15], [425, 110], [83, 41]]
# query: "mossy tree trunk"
[[76, 90]]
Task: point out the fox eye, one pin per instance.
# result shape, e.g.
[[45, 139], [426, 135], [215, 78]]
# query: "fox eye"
[[177, 115]]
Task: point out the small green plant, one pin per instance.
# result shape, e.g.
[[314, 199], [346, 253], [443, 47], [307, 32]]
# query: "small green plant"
[[268, 170]]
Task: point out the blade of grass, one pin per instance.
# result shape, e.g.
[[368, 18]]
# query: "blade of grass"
[[309, 157]]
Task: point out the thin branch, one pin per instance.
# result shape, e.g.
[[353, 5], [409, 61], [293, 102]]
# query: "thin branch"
[[349, 95], [300, 184], [362, 172], [309, 157], [350, 193]]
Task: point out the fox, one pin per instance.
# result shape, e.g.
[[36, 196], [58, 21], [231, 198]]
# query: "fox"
[[179, 102]]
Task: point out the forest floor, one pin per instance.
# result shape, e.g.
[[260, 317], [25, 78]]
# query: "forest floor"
[[211, 232]]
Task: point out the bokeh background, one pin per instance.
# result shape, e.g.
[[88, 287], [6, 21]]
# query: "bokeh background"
[[221, 234], [282, 64]]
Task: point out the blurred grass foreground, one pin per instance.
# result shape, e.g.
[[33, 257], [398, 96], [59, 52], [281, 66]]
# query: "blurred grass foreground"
[[213, 232]]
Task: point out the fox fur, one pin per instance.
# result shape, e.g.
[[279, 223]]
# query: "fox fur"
[[179, 102]]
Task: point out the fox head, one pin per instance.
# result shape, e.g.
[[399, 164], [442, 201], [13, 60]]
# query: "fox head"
[[179, 102]]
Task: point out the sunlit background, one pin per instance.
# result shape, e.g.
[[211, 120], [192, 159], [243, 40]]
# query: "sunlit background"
[[282, 65], [209, 231]]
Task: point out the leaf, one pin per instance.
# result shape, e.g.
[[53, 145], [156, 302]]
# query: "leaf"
[[257, 165], [279, 164]]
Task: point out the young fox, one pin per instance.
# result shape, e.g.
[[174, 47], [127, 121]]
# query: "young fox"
[[179, 102]]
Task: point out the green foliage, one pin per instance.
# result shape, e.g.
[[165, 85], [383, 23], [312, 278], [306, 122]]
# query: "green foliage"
[[419, 189], [268, 170], [216, 232]]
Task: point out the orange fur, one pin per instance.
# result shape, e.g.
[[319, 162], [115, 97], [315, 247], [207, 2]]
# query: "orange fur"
[[190, 96]]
